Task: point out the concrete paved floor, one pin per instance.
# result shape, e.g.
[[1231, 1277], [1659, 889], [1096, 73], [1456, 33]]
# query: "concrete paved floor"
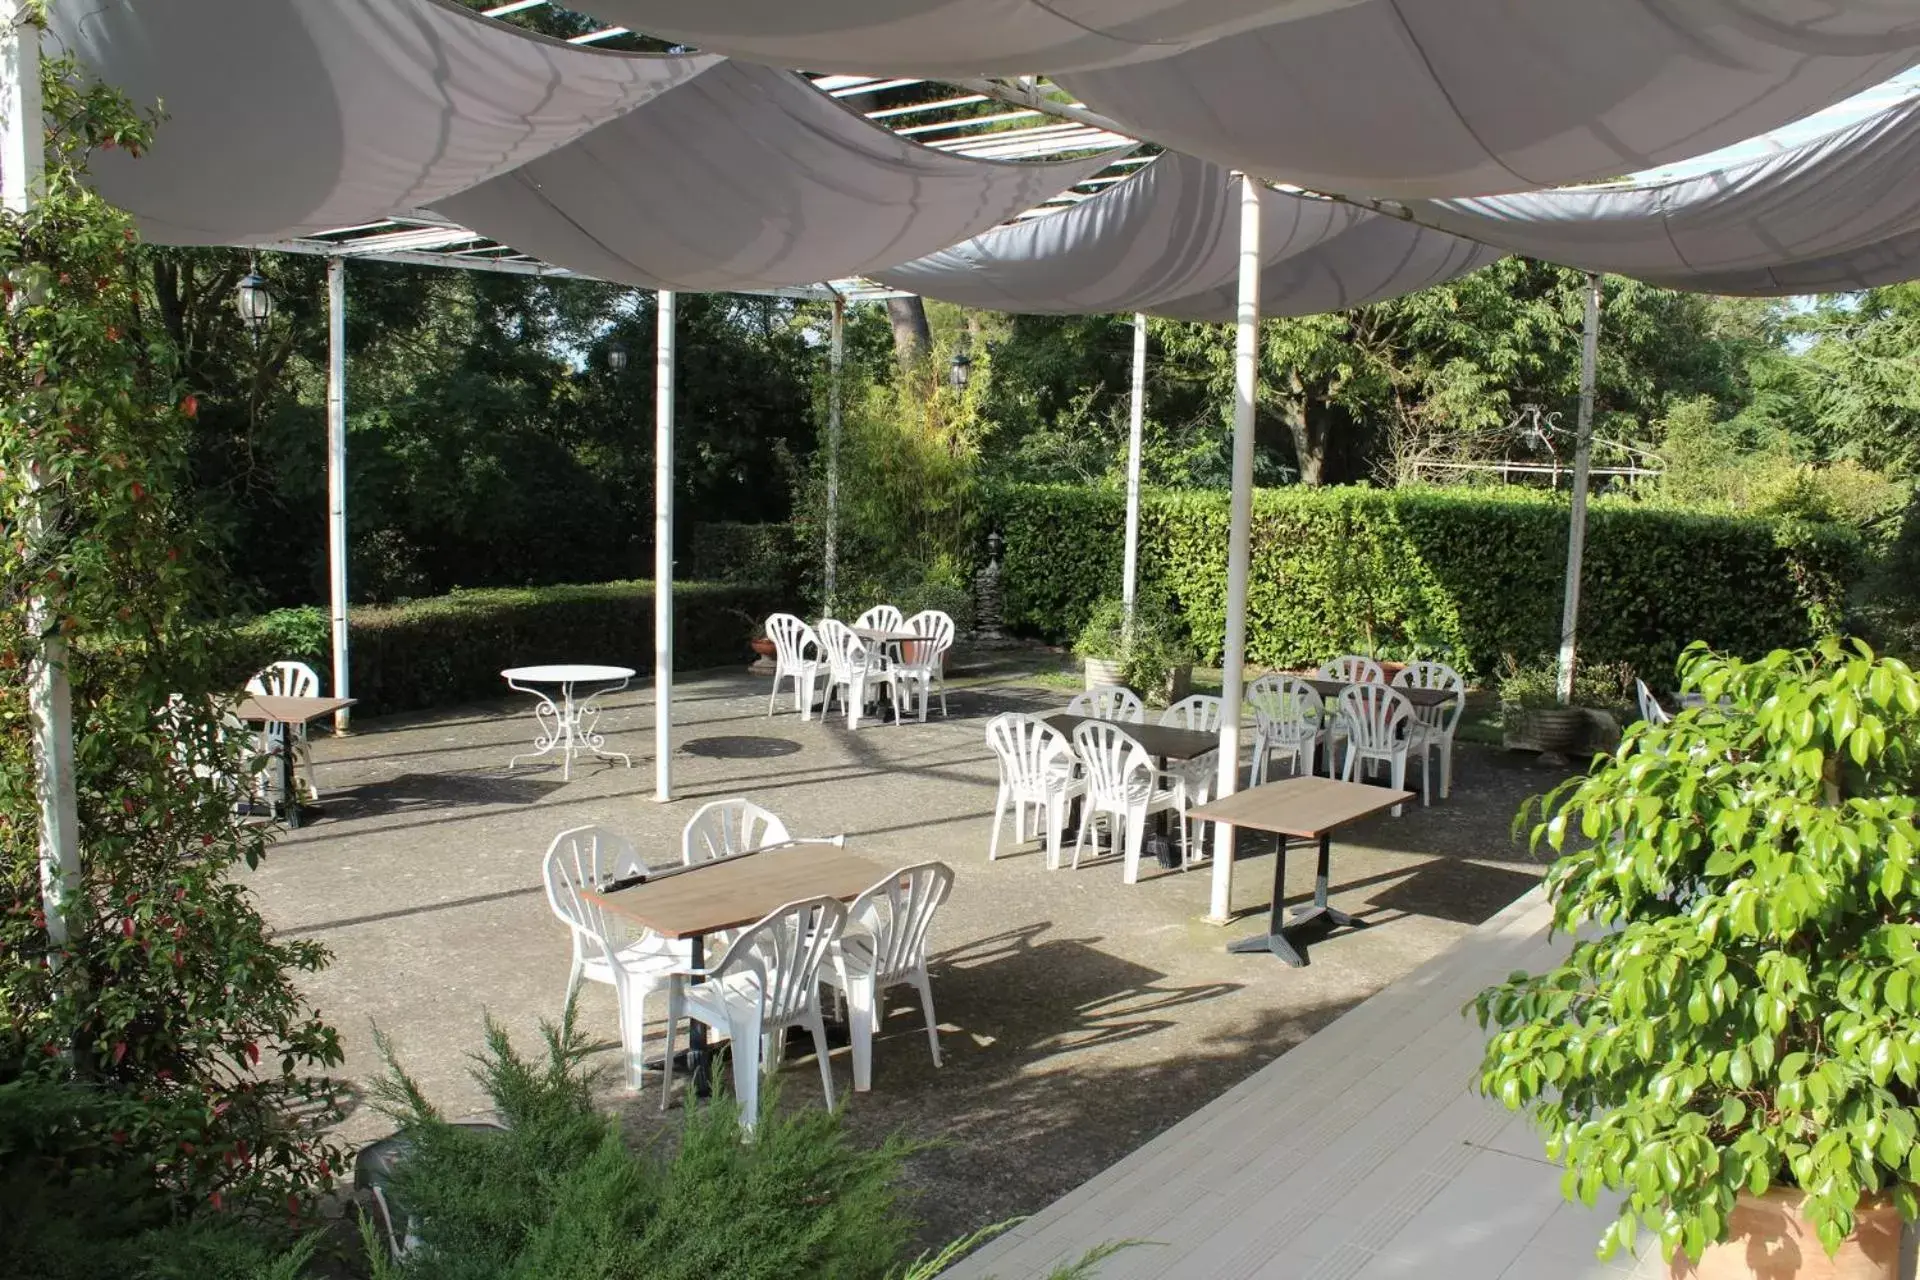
[[1080, 1016]]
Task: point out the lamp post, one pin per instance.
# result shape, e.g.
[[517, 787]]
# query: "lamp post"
[[960, 372], [254, 301], [617, 356]]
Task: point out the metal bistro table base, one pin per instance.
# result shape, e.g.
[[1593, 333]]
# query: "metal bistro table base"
[[1276, 940], [567, 726]]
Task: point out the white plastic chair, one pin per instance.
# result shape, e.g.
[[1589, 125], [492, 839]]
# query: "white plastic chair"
[[1201, 713], [797, 658], [768, 980], [248, 780], [1037, 771], [885, 945], [882, 617], [1352, 668], [925, 669], [1124, 788], [1382, 728], [1288, 717], [723, 828], [1650, 709], [289, 679], [1109, 702], [586, 858], [1436, 723], [856, 671]]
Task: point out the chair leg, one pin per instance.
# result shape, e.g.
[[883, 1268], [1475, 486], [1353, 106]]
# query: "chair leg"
[[999, 819], [1256, 772], [1446, 767], [1056, 828], [774, 697], [1080, 837], [633, 1033], [675, 999], [860, 1002], [819, 1030], [925, 987], [1136, 837], [1397, 775], [573, 978], [746, 1073]]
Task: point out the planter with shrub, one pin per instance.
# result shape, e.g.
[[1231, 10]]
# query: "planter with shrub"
[[1731, 1045], [1534, 718], [1149, 653]]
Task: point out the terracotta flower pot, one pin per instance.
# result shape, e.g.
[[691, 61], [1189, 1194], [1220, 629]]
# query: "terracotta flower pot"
[[1769, 1239], [762, 645]]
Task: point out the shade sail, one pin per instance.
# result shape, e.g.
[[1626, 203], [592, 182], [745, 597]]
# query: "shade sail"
[[1166, 242], [947, 38], [1444, 98], [288, 117], [748, 178], [1817, 216]]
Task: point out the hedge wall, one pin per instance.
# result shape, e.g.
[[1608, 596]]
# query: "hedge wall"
[[729, 551], [1456, 574], [448, 649]]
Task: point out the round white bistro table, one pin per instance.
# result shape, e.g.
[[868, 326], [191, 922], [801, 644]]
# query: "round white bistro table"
[[567, 726]]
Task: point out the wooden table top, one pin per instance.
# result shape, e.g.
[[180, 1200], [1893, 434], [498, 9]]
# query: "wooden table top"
[[731, 892], [1330, 691], [281, 709], [878, 635], [1305, 807], [1168, 742]]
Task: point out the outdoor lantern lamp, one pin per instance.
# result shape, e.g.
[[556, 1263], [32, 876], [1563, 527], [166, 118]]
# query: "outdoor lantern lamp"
[[617, 356], [961, 371], [254, 302]]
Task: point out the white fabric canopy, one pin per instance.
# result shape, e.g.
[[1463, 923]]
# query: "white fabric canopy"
[[287, 117], [748, 178], [1446, 98], [947, 38], [1818, 216], [1166, 242]]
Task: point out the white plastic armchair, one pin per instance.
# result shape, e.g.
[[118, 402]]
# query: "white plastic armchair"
[[1109, 702], [589, 858], [1382, 729], [1353, 668], [921, 665], [1438, 722], [797, 659], [885, 945], [1201, 713], [723, 828], [856, 671], [1124, 788], [1037, 771], [1288, 716], [882, 617], [768, 980], [1650, 709], [289, 679]]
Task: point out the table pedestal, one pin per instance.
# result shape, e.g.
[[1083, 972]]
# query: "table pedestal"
[[567, 726], [1275, 940]]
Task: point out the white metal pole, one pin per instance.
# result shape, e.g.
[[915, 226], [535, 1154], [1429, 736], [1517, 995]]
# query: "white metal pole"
[[1129, 586], [49, 698], [663, 551], [1246, 373], [337, 480], [836, 358], [1582, 453]]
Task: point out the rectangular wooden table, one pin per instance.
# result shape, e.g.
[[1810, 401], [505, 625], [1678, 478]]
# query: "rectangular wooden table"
[[288, 711], [1306, 808], [729, 893], [1420, 698], [1166, 741], [877, 635]]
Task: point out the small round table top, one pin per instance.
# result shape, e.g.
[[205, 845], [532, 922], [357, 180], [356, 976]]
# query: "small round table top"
[[567, 673]]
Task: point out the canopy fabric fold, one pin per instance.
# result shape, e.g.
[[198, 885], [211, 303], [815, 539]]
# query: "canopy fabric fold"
[[1419, 99], [1166, 241], [1832, 213], [947, 38], [286, 117], [749, 178]]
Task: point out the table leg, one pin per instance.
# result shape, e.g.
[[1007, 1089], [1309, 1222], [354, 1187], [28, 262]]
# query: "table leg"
[[697, 1032], [287, 795], [1275, 939]]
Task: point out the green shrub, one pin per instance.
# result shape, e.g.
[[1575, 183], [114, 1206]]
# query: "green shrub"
[[1464, 576], [733, 552], [429, 653]]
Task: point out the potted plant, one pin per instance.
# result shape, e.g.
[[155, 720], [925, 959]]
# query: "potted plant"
[[1535, 717], [1731, 1043], [1148, 652]]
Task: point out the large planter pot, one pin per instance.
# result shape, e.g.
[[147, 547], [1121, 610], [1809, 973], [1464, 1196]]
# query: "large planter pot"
[[762, 645], [1769, 1239], [1102, 671], [1179, 683], [1556, 730]]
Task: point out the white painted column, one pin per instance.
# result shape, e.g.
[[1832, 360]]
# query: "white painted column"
[[663, 551], [1582, 455], [1246, 373], [337, 480], [49, 698], [1129, 586], [836, 358]]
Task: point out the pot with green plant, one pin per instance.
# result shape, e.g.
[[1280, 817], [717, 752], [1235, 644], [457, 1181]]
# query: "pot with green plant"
[[1535, 718], [1732, 1042], [1149, 653]]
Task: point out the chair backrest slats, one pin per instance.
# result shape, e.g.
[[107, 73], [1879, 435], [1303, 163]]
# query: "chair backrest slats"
[[1031, 751], [1115, 761], [1200, 712], [1378, 718], [791, 638], [1435, 675], [780, 957], [586, 858], [1353, 668], [897, 913], [882, 617], [1108, 702], [286, 679], [723, 828], [1286, 709]]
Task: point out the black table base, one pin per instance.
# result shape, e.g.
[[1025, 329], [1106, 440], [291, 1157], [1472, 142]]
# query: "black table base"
[[1275, 940]]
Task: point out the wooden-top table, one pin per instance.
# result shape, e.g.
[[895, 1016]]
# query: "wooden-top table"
[[1168, 742], [284, 709], [1329, 690], [1307, 808], [880, 635], [728, 893]]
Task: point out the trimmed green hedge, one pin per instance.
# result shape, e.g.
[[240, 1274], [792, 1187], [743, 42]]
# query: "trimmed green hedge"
[[448, 649], [727, 551], [1461, 575]]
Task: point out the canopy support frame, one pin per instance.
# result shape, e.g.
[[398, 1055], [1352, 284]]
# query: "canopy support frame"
[[337, 482], [1582, 459], [663, 548], [1136, 418]]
